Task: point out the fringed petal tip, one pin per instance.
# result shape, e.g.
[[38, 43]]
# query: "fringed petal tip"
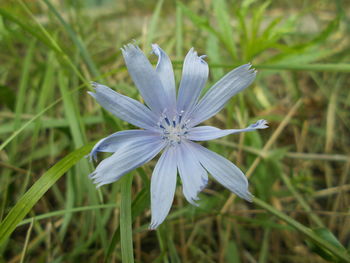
[[92, 175], [250, 69], [194, 53], [260, 124], [155, 50], [91, 157], [244, 194], [130, 48], [201, 188], [248, 197], [193, 201], [96, 87], [93, 154], [202, 58], [247, 69], [97, 180], [153, 226], [94, 84]]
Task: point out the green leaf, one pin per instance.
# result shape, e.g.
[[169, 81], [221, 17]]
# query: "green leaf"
[[139, 204], [126, 220], [222, 15], [27, 27], [328, 236], [65, 211], [33, 195], [71, 112], [196, 19]]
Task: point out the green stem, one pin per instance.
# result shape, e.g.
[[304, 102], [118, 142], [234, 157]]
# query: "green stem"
[[303, 229], [126, 221]]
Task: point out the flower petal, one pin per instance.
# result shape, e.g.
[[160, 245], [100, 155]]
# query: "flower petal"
[[165, 72], [225, 172], [124, 107], [163, 185], [217, 96], [193, 176], [128, 157], [194, 76], [205, 133], [116, 140], [145, 78]]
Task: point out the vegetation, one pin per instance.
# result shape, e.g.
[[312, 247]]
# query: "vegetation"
[[298, 168]]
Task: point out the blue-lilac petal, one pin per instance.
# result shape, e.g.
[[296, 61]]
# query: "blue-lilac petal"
[[165, 72], [163, 184], [218, 95], [124, 107], [223, 171], [206, 133], [145, 78], [193, 176], [128, 157], [116, 140], [194, 77]]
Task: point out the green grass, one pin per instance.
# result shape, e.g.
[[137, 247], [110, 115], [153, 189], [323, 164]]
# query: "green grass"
[[298, 168]]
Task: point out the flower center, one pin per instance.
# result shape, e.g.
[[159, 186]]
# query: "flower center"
[[173, 130]]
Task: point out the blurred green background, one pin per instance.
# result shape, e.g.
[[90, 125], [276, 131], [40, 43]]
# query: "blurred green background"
[[50, 50]]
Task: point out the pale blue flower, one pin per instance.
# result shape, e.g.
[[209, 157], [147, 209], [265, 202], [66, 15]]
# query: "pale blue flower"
[[168, 125]]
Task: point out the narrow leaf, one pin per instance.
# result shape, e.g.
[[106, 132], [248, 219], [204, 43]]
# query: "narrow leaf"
[[33, 195], [126, 221]]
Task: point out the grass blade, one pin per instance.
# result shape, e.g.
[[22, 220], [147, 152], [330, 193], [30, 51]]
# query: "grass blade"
[[340, 253], [65, 211], [53, 44], [125, 220], [33, 195], [153, 25], [321, 67], [76, 39], [223, 18], [27, 27]]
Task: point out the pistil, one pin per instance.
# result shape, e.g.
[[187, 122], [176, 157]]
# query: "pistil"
[[174, 131]]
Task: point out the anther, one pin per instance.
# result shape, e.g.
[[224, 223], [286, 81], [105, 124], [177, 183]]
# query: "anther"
[[167, 120]]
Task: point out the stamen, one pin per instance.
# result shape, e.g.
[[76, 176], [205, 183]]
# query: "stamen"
[[173, 131], [167, 120]]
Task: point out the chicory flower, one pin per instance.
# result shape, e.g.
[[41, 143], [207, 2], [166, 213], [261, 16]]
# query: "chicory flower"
[[169, 124]]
